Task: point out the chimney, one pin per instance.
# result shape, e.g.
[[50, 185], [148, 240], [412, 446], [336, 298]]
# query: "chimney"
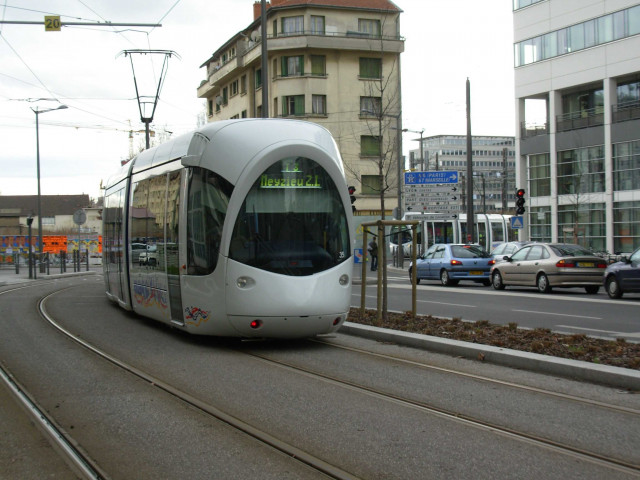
[[257, 9]]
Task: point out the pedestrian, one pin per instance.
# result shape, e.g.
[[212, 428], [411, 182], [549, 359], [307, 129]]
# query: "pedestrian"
[[373, 253]]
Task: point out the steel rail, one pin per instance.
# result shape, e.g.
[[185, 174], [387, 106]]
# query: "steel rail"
[[293, 452], [579, 453], [473, 376]]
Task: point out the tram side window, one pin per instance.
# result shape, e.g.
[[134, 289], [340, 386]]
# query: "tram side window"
[[148, 202], [207, 200]]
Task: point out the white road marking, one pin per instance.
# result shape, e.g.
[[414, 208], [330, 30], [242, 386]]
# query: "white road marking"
[[611, 333], [558, 314]]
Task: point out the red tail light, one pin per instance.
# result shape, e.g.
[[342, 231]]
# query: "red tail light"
[[602, 265], [565, 264], [456, 262], [492, 262]]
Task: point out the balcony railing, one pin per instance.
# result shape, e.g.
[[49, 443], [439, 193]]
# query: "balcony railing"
[[528, 130], [626, 111], [591, 117]]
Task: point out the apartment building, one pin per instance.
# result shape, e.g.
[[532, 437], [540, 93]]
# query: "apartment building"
[[494, 167], [577, 85], [332, 62]]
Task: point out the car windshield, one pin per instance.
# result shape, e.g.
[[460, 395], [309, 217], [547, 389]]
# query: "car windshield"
[[569, 250], [468, 251]]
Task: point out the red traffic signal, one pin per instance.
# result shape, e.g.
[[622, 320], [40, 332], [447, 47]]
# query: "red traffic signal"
[[352, 198], [520, 200]]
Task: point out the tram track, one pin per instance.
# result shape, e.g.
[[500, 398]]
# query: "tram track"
[[584, 455], [296, 454]]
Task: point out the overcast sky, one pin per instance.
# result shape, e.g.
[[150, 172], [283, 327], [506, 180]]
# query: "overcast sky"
[[81, 66]]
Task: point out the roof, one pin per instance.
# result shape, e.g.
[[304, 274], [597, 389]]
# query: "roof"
[[52, 205], [368, 4], [274, 5]]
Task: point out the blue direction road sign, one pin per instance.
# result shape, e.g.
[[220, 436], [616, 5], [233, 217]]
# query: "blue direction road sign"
[[432, 177], [517, 222]]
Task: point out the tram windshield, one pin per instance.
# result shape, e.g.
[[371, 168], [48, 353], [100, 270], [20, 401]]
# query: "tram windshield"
[[292, 221]]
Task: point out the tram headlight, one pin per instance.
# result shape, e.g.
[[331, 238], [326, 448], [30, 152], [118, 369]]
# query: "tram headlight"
[[344, 280], [245, 282]]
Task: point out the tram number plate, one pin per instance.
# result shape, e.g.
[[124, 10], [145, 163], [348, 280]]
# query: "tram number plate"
[[475, 272]]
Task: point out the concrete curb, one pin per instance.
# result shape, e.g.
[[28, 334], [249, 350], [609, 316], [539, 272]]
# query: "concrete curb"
[[602, 374]]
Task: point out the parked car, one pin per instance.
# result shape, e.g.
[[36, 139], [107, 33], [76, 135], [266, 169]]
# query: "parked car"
[[136, 249], [548, 265], [149, 256], [451, 263], [505, 249], [623, 276]]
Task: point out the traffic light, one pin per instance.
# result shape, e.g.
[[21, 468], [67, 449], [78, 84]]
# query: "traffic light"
[[352, 190], [520, 200]]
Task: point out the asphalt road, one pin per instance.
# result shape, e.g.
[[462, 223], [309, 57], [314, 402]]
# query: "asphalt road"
[[344, 399], [564, 310]]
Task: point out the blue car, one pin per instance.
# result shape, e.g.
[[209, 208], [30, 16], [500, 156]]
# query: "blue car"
[[624, 276], [451, 263]]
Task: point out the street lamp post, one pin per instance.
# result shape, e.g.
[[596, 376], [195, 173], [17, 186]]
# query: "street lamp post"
[[41, 246]]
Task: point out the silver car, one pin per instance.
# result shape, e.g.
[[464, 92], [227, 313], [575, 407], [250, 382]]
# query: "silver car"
[[548, 265]]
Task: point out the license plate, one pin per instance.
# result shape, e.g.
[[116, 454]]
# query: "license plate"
[[586, 264], [475, 272]]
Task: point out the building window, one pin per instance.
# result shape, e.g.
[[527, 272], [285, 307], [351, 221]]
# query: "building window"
[[370, 67], [317, 25], [319, 104], [540, 224], [48, 221], [244, 114], [601, 30], [234, 87], [539, 175], [243, 84], [209, 107], [626, 166], [293, 105], [581, 171], [370, 106], [293, 66], [370, 146], [517, 4], [319, 65], [626, 226], [258, 78], [293, 25], [369, 27], [584, 224], [225, 95], [371, 184]]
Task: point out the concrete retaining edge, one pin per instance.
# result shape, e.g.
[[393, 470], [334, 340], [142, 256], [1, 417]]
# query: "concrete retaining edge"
[[590, 372]]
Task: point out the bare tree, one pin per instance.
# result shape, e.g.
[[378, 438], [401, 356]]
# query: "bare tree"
[[380, 109]]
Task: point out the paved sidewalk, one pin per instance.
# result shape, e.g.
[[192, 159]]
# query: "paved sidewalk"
[[8, 275]]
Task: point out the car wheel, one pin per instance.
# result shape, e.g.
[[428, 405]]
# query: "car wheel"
[[411, 276], [446, 280], [613, 288], [543, 283], [496, 280], [592, 289]]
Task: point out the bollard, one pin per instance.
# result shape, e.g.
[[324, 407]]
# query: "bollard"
[[47, 257], [16, 261]]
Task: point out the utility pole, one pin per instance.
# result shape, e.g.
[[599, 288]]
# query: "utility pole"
[[504, 180], [265, 61], [470, 223]]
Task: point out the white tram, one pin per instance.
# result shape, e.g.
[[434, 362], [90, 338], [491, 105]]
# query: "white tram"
[[491, 229], [245, 228]]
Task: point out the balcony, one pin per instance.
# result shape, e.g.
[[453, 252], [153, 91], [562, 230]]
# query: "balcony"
[[528, 130], [626, 111], [591, 117]]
